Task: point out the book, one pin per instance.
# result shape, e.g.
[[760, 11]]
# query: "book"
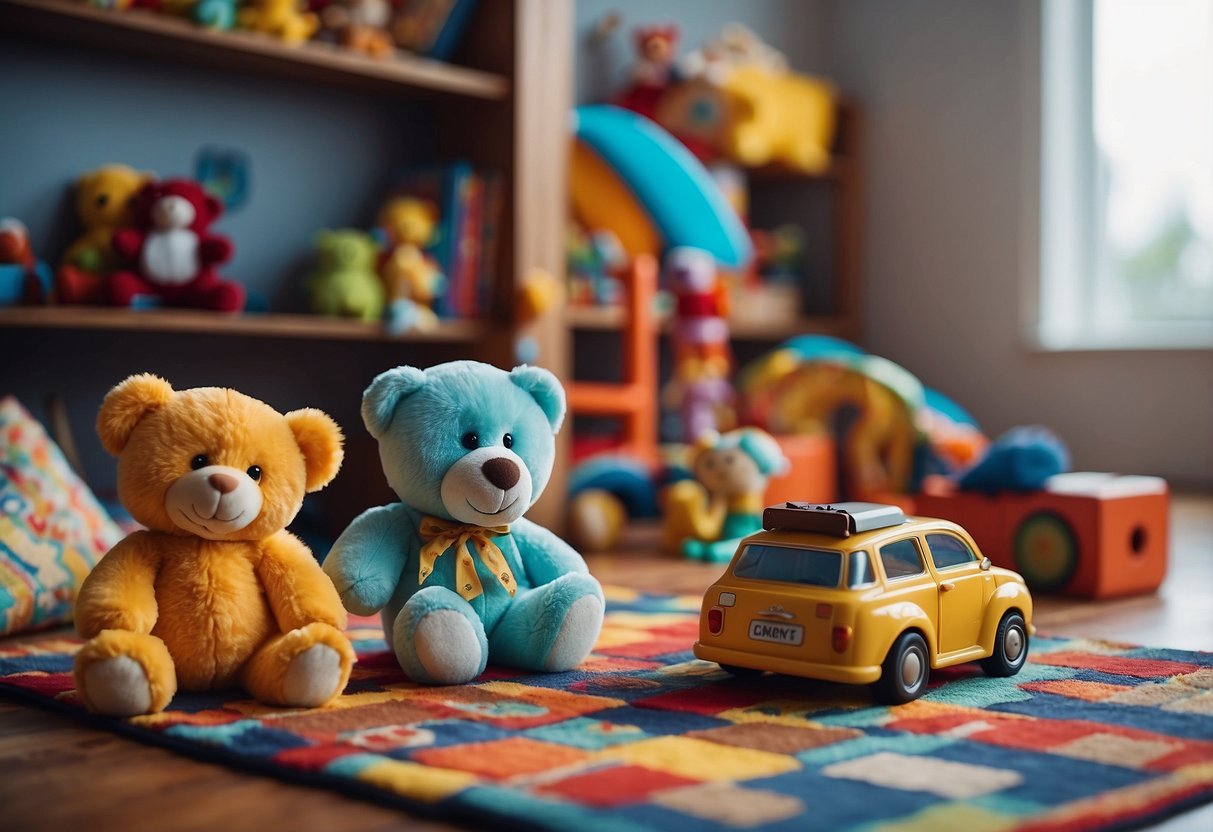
[[432, 27], [444, 185], [490, 234]]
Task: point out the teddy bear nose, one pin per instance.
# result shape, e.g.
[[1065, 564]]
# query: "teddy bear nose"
[[223, 483], [501, 472]]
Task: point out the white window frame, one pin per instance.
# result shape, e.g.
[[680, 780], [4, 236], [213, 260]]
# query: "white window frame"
[[1061, 211]]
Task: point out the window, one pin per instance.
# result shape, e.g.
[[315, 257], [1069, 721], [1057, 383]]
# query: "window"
[[901, 559], [812, 567], [859, 571], [948, 550], [1126, 174]]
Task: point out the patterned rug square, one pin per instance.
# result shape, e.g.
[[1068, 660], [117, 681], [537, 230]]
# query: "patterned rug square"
[[1090, 735]]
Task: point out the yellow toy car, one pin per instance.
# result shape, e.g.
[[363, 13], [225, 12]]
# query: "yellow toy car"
[[859, 593]]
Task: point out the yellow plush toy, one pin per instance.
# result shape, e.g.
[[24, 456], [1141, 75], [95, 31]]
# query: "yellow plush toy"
[[412, 280], [704, 518], [104, 202], [755, 116], [282, 19], [215, 593], [780, 117]]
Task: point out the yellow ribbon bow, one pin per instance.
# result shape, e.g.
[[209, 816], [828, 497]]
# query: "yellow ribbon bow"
[[441, 535]]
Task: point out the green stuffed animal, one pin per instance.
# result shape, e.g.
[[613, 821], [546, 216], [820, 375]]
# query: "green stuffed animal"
[[345, 282]]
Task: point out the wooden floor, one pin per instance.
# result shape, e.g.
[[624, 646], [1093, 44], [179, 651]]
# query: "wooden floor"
[[56, 775]]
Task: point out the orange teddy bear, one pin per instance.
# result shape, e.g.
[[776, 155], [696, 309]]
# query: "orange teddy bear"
[[216, 592]]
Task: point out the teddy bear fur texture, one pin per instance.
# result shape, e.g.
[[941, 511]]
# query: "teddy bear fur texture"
[[470, 447], [215, 593], [171, 252]]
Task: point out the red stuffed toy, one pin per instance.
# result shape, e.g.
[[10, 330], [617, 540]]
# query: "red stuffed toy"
[[172, 255]]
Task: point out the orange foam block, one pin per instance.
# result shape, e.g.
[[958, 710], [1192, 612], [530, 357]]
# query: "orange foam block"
[[813, 472], [1088, 535]]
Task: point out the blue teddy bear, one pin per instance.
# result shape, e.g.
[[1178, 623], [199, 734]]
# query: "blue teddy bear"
[[457, 571]]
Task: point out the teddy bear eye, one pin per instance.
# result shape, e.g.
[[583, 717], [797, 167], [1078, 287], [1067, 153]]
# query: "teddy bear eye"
[[508, 440], [200, 461], [102, 200], [470, 441], [254, 472]]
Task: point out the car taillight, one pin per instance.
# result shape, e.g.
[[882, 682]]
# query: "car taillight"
[[715, 620], [840, 638]]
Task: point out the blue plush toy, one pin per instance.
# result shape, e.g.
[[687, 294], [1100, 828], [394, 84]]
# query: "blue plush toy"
[[458, 573]]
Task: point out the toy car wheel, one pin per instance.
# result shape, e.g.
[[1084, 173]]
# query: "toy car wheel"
[[1010, 647], [905, 671], [740, 671]]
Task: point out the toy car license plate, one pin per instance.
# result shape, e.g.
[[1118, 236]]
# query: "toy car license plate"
[[777, 632]]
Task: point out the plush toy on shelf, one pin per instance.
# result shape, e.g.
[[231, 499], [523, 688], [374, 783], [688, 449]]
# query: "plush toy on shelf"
[[653, 71], [111, 5], [361, 25], [286, 20], [216, 14], [215, 592], [411, 276], [172, 253], [23, 278], [705, 517], [740, 101], [345, 283], [460, 576], [105, 202]]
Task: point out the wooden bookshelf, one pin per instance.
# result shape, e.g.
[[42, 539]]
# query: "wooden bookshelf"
[[186, 321], [163, 36], [741, 327], [838, 170]]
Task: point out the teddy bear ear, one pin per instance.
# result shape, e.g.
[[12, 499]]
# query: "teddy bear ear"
[[320, 440], [126, 405], [380, 400], [545, 389]]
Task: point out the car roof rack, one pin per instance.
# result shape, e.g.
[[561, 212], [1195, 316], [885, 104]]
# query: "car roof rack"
[[836, 519]]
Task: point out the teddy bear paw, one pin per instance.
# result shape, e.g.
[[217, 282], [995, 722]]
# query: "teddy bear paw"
[[118, 686], [448, 648], [312, 677], [577, 635]]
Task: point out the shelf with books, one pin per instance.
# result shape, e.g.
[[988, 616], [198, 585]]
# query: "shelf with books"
[[503, 108], [162, 36], [188, 321]]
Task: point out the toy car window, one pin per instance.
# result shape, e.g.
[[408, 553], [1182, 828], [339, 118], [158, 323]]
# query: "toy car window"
[[901, 559], [810, 567], [859, 570], [948, 550]]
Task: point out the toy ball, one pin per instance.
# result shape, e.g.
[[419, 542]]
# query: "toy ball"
[[596, 519], [1019, 460]]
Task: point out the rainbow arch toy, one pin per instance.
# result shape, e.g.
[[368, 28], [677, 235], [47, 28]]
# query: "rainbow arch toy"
[[893, 430], [632, 177]]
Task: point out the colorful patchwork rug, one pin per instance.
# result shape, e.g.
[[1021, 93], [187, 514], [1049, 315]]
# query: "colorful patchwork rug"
[[1090, 735]]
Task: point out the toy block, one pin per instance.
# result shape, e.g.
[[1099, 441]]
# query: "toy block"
[[812, 470], [1083, 534]]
